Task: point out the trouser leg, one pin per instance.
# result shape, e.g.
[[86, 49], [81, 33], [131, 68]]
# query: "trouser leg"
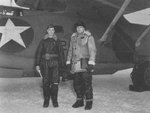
[[54, 96], [78, 87], [46, 84], [46, 92], [88, 90], [87, 78], [54, 87]]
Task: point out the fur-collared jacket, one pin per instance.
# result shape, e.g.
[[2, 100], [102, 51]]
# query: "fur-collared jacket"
[[51, 46], [81, 46]]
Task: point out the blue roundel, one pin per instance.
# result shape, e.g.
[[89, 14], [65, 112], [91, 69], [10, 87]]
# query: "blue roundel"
[[15, 35]]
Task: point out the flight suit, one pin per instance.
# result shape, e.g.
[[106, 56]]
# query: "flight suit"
[[50, 58], [82, 50]]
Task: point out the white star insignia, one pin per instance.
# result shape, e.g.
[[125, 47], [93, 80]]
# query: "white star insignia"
[[12, 32]]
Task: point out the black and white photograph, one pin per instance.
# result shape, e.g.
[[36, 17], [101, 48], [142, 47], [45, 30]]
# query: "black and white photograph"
[[74, 56]]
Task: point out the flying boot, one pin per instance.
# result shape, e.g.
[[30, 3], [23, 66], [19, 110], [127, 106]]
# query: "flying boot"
[[78, 103], [88, 105], [54, 96], [47, 93]]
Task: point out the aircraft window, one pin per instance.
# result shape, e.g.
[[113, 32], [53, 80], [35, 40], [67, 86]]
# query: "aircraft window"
[[59, 29]]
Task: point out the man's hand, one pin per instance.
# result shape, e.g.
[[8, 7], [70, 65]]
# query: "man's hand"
[[37, 68], [68, 67], [39, 71], [90, 68], [64, 79], [64, 76]]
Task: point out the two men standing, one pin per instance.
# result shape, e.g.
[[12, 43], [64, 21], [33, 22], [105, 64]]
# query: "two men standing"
[[80, 62]]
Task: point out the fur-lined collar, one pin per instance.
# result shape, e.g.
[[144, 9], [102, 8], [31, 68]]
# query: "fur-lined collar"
[[54, 37], [85, 33]]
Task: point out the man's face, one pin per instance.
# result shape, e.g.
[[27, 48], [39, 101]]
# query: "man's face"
[[51, 31], [80, 29]]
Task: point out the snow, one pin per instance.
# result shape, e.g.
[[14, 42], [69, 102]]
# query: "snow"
[[111, 95]]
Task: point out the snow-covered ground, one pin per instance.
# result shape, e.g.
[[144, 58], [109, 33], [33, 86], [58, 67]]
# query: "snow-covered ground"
[[111, 95]]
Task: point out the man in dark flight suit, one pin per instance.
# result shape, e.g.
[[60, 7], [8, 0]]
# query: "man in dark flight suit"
[[49, 59]]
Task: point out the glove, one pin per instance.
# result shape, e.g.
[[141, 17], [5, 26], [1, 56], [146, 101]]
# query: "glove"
[[66, 72], [64, 77], [70, 76], [39, 71], [90, 68], [37, 68], [68, 67]]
